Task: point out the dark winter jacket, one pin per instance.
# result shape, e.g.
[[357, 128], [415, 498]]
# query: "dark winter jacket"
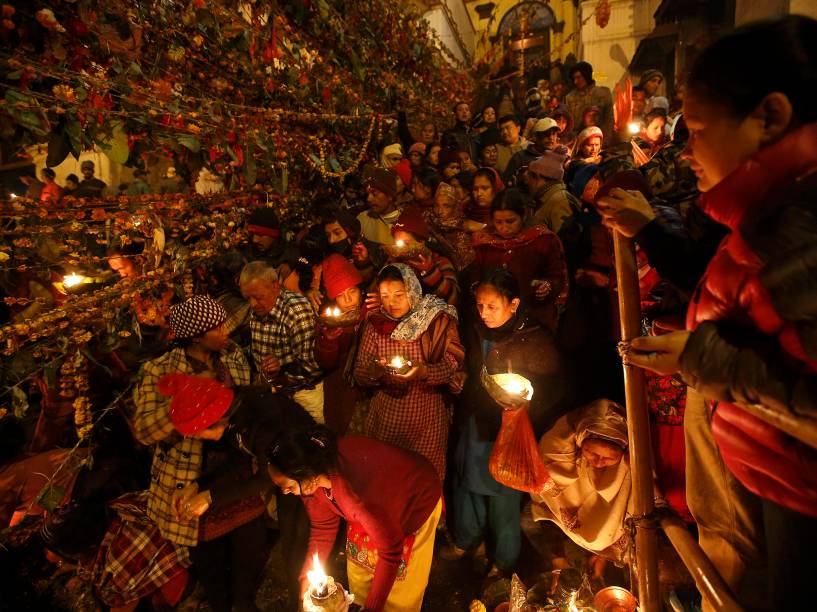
[[528, 350], [753, 319]]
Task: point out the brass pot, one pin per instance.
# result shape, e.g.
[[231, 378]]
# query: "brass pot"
[[615, 599]]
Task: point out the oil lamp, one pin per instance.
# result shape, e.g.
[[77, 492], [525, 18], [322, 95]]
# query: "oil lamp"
[[324, 594], [399, 364], [72, 280], [332, 311]]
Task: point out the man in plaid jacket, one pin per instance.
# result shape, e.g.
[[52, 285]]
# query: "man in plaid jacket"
[[283, 336]]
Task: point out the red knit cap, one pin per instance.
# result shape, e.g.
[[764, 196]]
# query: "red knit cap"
[[338, 275], [198, 402], [403, 170], [411, 220]]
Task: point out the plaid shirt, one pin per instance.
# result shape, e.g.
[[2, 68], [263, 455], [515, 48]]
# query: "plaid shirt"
[[176, 461], [288, 333], [134, 560]]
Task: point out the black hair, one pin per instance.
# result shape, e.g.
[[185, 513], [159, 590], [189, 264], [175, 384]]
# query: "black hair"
[[487, 173], [352, 180], [129, 248], [506, 118], [511, 199], [72, 177], [428, 177], [12, 438], [304, 453], [466, 179], [457, 104], [503, 281], [49, 173], [638, 88], [390, 273], [777, 55], [343, 218], [655, 114]]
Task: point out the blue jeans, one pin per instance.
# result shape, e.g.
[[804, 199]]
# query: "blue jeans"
[[502, 513]]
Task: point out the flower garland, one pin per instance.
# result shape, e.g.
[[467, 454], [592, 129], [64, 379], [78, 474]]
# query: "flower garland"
[[321, 166]]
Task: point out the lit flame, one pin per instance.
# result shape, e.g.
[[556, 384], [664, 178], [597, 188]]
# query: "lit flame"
[[317, 577], [397, 362], [71, 280], [400, 243], [572, 607], [634, 127], [332, 311], [514, 386], [13, 195]]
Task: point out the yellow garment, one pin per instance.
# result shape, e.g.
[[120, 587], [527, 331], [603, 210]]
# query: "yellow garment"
[[406, 595]]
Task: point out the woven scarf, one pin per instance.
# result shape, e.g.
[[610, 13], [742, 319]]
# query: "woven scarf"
[[423, 308]]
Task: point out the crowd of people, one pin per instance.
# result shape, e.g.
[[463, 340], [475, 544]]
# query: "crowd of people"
[[333, 375]]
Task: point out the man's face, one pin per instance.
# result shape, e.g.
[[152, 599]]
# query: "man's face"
[[428, 133], [261, 295], [591, 147], [379, 202], [489, 156], [262, 242], [509, 132], [351, 193], [579, 82], [651, 86], [87, 172], [463, 112], [547, 140]]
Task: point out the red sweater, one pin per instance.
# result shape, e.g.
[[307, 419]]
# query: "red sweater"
[[388, 491]]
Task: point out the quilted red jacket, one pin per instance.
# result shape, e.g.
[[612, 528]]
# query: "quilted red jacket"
[[753, 318]]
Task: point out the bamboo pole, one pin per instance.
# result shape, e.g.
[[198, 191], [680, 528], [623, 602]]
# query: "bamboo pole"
[[707, 579], [638, 429]]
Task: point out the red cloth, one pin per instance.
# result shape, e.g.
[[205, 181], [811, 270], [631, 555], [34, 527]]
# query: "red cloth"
[[332, 353], [534, 254], [412, 220], [387, 491], [765, 460], [339, 274]]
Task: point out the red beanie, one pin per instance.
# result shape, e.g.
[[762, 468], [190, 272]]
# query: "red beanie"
[[403, 170], [338, 275], [411, 220], [198, 402]]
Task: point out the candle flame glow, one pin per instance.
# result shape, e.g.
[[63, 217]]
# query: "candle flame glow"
[[514, 386], [332, 311], [71, 280], [572, 607], [317, 577], [634, 127], [397, 362], [400, 243]]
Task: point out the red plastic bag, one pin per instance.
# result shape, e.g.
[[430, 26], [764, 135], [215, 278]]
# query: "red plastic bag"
[[515, 460]]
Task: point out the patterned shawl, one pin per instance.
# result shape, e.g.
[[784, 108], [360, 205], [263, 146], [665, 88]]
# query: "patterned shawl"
[[423, 308]]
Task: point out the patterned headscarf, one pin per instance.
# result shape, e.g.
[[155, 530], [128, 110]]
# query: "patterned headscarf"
[[423, 309], [607, 422], [195, 316]]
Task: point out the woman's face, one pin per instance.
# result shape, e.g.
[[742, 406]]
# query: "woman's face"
[[459, 190], [507, 223], [452, 169], [483, 191], [349, 300], [289, 486], [428, 133], [494, 308], [215, 339], [591, 146], [334, 232], [214, 432], [393, 298], [489, 156], [600, 453], [590, 118], [717, 143], [489, 115], [416, 159], [444, 207], [654, 132], [433, 156], [421, 192]]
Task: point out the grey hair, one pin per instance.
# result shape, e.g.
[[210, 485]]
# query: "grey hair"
[[258, 270]]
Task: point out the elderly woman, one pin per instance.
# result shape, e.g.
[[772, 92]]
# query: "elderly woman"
[[451, 229], [588, 492], [409, 407]]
